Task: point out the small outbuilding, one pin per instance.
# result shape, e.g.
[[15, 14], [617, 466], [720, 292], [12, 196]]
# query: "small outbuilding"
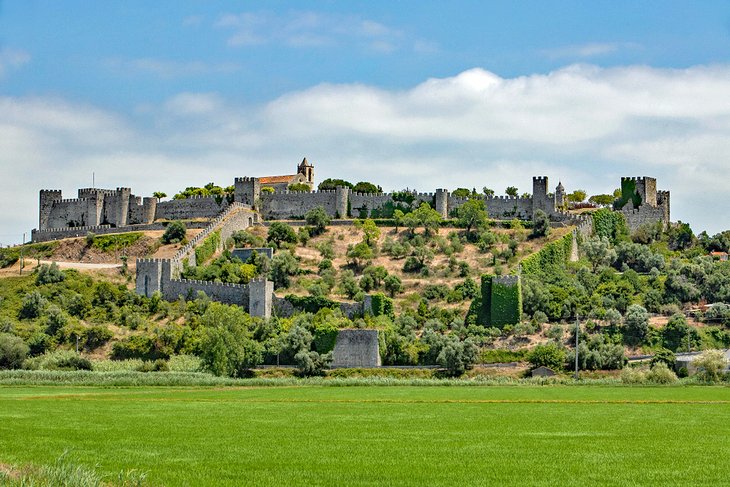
[[543, 371]]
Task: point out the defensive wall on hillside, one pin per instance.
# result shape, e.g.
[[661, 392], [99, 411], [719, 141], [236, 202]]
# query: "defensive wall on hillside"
[[107, 211]]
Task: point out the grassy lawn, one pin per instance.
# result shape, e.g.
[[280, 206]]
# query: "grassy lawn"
[[378, 435]]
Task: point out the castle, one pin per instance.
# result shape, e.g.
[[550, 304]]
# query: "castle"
[[111, 211]]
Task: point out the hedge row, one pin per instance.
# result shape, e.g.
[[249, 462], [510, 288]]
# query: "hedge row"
[[210, 245], [554, 254]]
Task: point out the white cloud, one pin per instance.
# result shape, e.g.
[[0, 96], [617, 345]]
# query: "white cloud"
[[584, 125], [12, 59], [317, 30]]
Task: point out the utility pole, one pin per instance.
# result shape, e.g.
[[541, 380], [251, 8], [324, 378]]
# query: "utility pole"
[[577, 334], [22, 261]]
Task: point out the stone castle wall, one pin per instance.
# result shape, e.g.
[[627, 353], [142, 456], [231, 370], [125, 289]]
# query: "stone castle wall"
[[288, 204], [189, 208], [356, 348]]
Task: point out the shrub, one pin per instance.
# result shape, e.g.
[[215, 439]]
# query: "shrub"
[[184, 363], [710, 365], [549, 355], [283, 265], [630, 375], [637, 324], [540, 224], [174, 233], [457, 356], [661, 374], [318, 219], [49, 274], [310, 364], [13, 351], [58, 360], [243, 238], [664, 356], [32, 305], [280, 232]]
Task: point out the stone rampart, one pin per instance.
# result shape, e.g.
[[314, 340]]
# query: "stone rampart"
[[245, 254], [288, 204], [71, 232], [356, 348], [189, 208], [218, 291]]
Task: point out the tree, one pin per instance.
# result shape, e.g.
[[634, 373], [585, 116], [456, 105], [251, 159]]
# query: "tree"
[[637, 324], [577, 196], [488, 192], [398, 218], [359, 253], [348, 285], [540, 224], [12, 351], [300, 187], [49, 274], [665, 356], [280, 232], [318, 219], [511, 191], [159, 195], [429, 218], [677, 334], [229, 351], [457, 356], [680, 236], [549, 355], [371, 232], [311, 363], [174, 233], [601, 199], [598, 251], [461, 193], [393, 285], [366, 187], [283, 265], [410, 221], [472, 214], [330, 184], [32, 305]]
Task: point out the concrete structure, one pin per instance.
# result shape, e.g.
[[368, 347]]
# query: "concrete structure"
[[542, 371], [245, 254], [687, 359], [356, 348]]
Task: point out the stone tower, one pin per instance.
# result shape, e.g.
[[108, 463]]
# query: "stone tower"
[[307, 170], [540, 200], [47, 197], [559, 195], [247, 190], [442, 202]]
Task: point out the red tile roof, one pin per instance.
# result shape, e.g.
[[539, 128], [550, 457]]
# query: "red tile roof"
[[277, 179]]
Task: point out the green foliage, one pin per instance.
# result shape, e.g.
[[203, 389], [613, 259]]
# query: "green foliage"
[[228, 350], [311, 304], [511, 191], [58, 360], [13, 351], [576, 196], [366, 187], [540, 225], [628, 193], [48, 274], [427, 217], [710, 365], [280, 232], [501, 356], [660, 373], [299, 187], [332, 184], [457, 356], [209, 189], [312, 364], [664, 356], [33, 305], [610, 224], [472, 214], [461, 193], [116, 242], [359, 254], [244, 238], [393, 285], [381, 305], [498, 304], [601, 199], [207, 247], [551, 259], [10, 255], [637, 324], [174, 233], [371, 232], [318, 219], [549, 355]]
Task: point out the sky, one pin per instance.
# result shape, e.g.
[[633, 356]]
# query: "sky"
[[158, 96]]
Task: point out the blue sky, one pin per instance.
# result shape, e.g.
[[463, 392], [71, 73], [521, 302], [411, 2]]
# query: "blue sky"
[[162, 95]]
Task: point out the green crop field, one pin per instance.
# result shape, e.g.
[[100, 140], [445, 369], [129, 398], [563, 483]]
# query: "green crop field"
[[368, 435]]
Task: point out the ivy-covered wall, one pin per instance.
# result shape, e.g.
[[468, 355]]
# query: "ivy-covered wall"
[[556, 253], [500, 302], [205, 250]]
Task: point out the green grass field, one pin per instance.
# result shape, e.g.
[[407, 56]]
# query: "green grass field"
[[377, 435]]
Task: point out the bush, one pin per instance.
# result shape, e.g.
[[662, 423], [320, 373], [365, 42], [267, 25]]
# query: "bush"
[[13, 351], [49, 274], [207, 248], [540, 225], [710, 365], [58, 360], [632, 376], [457, 356], [310, 364], [185, 363], [174, 233], [318, 219], [661, 374], [549, 355], [32, 305], [280, 233]]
